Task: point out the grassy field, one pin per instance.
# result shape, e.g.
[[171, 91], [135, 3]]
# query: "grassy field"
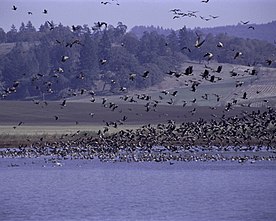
[[24, 122], [258, 87]]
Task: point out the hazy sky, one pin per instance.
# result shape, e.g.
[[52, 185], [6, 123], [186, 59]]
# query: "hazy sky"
[[136, 12]]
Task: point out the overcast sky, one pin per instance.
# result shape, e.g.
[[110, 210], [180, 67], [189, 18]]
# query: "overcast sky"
[[136, 12]]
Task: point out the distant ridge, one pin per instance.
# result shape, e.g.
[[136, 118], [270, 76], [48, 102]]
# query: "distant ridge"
[[139, 30], [265, 32]]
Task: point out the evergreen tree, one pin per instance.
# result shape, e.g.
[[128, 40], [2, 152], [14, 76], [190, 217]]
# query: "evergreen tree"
[[104, 46], [12, 34], [131, 43], [89, 61], [172, 41], [3, 37]]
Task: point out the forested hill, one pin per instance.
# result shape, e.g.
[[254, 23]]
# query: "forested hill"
[[140, 29], [57, 61], [266, 32]]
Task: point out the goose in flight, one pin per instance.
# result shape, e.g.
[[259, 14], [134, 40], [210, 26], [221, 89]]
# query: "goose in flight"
[[237, 54], [220, 45], [103, 61], [64, 58], [51, 25], [244, 22], [214, 16], [198, 43], [100, 24], [132, 76], [105, 3], [145, 74], [63, 104], [268, 61], [209, 55]]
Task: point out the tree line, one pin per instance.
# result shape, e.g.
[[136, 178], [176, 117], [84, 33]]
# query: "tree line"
[[57, 61]]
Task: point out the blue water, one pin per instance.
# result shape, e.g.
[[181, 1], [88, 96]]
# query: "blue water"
[[90, 190]]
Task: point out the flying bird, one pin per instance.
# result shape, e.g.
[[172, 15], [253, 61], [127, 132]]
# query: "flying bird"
[[63, 104], [209, 55], [237, 54], [15, 84], [198, 43], [105, 3], [214, 16], [132, 76], [174, 93], [186, 48], [64, 58], [75, 28], [244, 22], [145, 74], [51, 25], [100, 24], [268, 61], [220, 45], [14, 7], [103, 61]]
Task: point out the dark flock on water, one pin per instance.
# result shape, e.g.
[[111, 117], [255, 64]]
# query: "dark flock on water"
[[245, 137]]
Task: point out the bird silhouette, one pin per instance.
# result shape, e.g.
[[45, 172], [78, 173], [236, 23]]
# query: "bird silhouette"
[[145, 74], [105, 3], [64, 58], [220, 45], [209, 55], [238, 54], [244, 22], [244, 96]]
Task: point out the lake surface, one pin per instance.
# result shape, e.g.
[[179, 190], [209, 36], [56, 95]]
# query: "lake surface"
[[91, 190]]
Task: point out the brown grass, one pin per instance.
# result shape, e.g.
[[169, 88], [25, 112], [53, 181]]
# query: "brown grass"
[[39, 122]]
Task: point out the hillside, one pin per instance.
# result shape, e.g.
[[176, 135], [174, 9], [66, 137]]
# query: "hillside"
[[58, 62], [260, 88], [265, 32]]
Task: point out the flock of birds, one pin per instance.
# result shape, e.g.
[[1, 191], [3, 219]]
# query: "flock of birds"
[[190, 141], [241, 139]]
